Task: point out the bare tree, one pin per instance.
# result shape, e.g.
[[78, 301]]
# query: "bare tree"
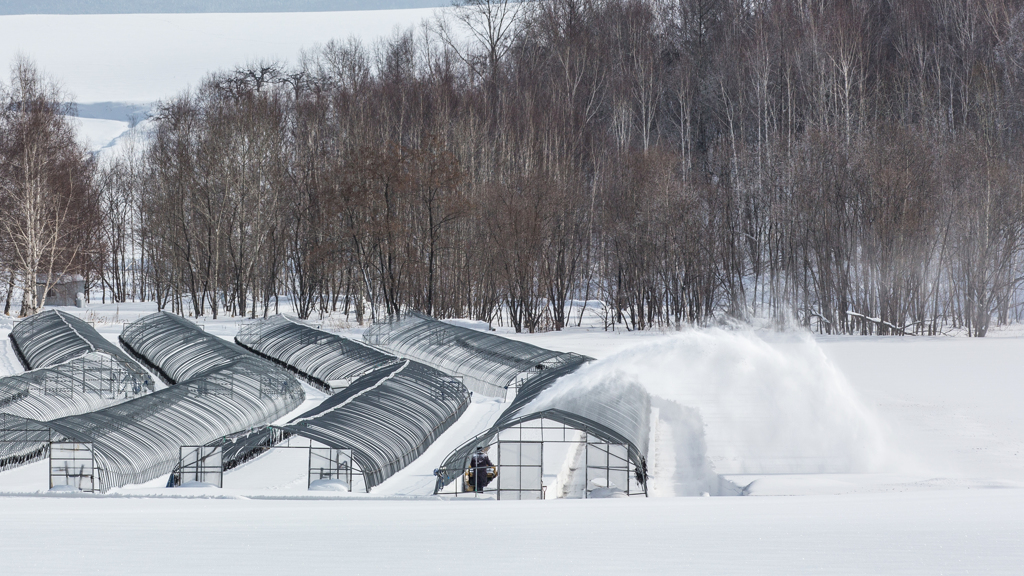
[[46, 188]]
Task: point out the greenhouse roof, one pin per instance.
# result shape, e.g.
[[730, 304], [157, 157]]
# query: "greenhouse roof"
[[389, 414], [488, 363], [53, 337], [321, 357], [90, 382]]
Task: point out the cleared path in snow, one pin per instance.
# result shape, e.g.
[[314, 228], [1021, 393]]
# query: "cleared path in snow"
[[418, 477], [9, 363]]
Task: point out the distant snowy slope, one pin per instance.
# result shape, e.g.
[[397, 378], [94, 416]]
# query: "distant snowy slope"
[[120, 111], [199, 6], [146, 57], [97, 133]]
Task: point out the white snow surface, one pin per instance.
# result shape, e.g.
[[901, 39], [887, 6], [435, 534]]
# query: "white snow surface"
[[931, 532], [859, 454], [98, 133]]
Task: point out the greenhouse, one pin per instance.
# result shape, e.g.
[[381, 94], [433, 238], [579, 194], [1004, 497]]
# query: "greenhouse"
[[489, 364], [387, 417], [90, 382], [53, 337], [325, 360], [543, 440], [392, 410], [72, 369], [218, 390], [179, 350]]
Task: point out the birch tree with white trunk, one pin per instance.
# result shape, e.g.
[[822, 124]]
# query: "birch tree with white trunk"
[[44, 175]]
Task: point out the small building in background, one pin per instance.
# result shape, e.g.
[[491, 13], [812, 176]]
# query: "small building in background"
[[63, 291]]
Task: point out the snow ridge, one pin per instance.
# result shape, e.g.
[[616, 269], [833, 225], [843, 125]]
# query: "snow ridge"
[[354, 396]]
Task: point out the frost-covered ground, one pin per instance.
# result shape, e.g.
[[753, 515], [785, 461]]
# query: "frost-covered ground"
[[860, 456]]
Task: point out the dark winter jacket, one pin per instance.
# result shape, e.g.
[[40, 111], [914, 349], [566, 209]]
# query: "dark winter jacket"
[[478, 464]]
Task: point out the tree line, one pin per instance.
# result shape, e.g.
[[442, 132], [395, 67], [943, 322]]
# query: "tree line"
[[853, 166]]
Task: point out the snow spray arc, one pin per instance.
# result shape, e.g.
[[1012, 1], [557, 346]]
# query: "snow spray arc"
[[757, 407]]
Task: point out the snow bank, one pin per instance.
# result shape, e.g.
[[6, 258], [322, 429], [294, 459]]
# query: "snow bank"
[[685, 470], [195, 484], [64, 488], [467, 323], [329, 485]]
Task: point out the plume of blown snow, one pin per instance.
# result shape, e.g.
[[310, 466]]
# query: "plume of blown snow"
[[767, 407]]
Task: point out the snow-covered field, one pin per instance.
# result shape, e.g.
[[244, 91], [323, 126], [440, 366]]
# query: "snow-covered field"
[[860, 456], [925, 532]]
